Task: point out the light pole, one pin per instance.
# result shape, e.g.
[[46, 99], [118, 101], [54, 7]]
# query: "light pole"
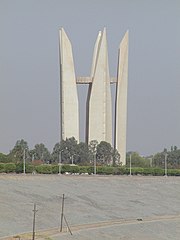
[[60, 161], [151, 161], [130, 165], [24, 162], [33, 158], [165, 165], [72, 159], [94, 163]]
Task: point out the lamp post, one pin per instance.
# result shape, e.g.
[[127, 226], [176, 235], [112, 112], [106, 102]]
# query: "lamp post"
[[165, 165], [60, 162], [94, 163], [130, 165], [24, 161], [72, 159], [151, 161]]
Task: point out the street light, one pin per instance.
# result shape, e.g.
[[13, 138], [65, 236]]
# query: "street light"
[[165, 165], [72, 158], [60, 161], [151, 161], [24, 162], [130, 165], [94, 163], [33, 158]]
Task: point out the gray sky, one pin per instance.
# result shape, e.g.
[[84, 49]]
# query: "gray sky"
[[29, 66]]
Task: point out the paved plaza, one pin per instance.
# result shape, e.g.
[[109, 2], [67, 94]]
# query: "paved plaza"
[[96, 207]]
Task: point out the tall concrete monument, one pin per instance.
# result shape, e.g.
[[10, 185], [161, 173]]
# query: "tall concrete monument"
[[121, 99], [68, 97], [99, 114], [99, 104]]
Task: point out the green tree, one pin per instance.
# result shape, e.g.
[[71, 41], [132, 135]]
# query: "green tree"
[[116, 158], [55, 153], [136, 160], [105, 153], [40, 152], [159, 159], [4, 158], [175, 148], [69, 149], [92, 149], [173, 159], [83, 154], [93, 146], [17, 153]]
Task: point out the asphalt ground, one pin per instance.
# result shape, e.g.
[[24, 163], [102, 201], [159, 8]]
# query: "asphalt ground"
[[96, 207]]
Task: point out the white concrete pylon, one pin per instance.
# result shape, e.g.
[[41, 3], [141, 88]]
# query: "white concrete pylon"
[[95, 53], [121, 99], [69, 110], [100, 109]]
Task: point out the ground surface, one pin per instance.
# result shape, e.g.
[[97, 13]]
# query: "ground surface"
[[96, 207]]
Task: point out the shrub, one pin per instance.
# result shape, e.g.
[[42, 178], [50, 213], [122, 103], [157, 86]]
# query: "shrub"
[[44, 169], [19, 168], [29, 168], [9, 167], [147, 171], [90, 169], [65, 168], [173, 172], [157, 172], [4, 158], [136, 171], [2, 168], [119, 170], [105, 170], [55, 169], [84, 169], [75, 169]]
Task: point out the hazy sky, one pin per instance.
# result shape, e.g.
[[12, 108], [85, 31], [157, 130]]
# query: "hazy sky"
[[29, 66]]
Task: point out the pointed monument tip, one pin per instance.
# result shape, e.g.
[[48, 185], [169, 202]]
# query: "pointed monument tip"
[[124, 39], [104, 33], [61, 31], [104, 30], [99, 33], [126, 36], [127, 33]]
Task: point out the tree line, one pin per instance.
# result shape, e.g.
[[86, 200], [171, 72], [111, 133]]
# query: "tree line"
[[171, 156], [69, 151]]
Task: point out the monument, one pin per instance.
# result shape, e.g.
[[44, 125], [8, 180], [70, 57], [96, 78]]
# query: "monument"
[[99, 104]]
